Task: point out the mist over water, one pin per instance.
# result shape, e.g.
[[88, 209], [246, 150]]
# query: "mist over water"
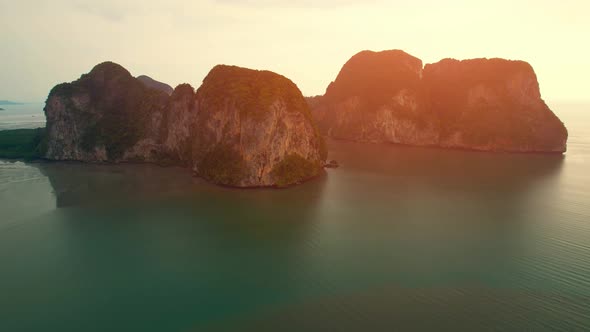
[[397, 238], [29, 115]]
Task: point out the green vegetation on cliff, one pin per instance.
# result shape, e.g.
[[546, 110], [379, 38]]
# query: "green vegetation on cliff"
[[375, 77], [121, 107], [22, 143], [183, 90], [293, 169], [253, 91], [222, 165], [121, 126]]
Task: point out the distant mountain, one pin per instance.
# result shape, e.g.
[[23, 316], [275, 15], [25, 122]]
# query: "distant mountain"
[[153, 84], [8, 102]]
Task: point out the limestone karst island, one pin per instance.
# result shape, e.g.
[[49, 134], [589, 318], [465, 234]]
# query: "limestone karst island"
[[252, 128], [242, 127], [479, 104], [294, 166]]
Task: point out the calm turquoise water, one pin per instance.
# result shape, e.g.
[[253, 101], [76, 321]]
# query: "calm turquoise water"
[[397, 238]]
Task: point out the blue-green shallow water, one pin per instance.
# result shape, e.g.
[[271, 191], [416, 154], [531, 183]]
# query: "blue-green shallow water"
[[397, 238]]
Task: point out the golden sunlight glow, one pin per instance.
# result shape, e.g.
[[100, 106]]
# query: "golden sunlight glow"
[[178, 41]]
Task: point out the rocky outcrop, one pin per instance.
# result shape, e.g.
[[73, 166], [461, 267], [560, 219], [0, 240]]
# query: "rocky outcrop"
[[242, 128], [480, 104], [377, 98], [180, 124], [153, 84], [106, 115], [491, 105], [254, 128]]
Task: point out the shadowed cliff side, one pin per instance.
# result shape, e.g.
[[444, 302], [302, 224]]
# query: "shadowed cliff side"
[[106, 115]]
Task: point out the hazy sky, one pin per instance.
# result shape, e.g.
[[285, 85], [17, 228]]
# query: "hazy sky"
[[47, 42]]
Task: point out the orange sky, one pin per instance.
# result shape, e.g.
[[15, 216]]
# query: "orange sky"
[[48, 42]]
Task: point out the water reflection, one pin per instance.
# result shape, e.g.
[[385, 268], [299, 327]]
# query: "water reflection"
[[95, 184], [387, 172], [162, 238], [394, 229]]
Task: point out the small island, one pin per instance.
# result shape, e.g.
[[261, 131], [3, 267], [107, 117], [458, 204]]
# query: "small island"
[[1, 109]]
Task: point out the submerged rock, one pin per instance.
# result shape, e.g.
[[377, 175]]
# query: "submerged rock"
[[242, 128], [481, 104]]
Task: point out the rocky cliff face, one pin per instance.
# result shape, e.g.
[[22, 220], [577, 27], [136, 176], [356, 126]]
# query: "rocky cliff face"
[[255, 128], [180, 124], [491, 104], [243, 127], [481, 104], [106, 115], [377, 98]]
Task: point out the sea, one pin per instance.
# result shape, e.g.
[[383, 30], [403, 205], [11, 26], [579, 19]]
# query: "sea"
[[22, 116], [397, 238]]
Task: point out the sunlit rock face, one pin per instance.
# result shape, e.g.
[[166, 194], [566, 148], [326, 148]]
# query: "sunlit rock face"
[[254, 129], [491, 104], [481, 104], [242, 128], [377, 98]]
